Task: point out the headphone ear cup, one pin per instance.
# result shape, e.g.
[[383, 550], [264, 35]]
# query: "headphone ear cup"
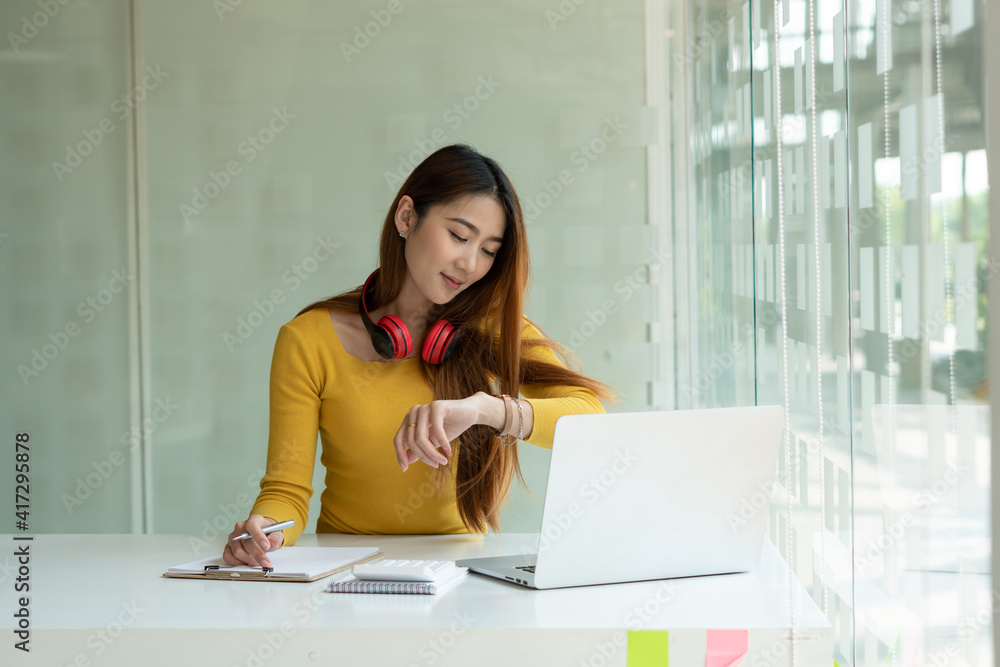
[[382, 343], [398, 336], [440, 342]]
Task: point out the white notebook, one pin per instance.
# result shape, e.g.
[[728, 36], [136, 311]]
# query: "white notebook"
[[289, 563], [354, 585]]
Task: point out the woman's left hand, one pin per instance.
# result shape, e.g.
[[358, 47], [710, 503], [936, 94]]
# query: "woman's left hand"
[[437, 424]]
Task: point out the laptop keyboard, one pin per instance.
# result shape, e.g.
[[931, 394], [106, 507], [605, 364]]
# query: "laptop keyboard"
[[526, 568]]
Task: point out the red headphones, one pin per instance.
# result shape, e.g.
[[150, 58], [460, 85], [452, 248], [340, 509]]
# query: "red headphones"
[[391, 339]]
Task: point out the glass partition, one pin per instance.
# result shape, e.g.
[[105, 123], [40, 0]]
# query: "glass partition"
[[838, 234]]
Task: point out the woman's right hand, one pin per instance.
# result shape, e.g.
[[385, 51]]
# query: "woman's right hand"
[[252, 551]]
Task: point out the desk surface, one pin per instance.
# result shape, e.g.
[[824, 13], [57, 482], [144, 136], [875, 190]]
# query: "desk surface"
[[78, 580], [84, 584]]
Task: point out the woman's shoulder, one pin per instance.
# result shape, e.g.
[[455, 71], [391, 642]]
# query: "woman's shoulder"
[[310, 328], [528, 328], [309, 321], [531, 330]]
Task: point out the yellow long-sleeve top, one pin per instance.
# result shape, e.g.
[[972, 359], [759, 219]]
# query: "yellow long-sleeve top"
[[357, 407]]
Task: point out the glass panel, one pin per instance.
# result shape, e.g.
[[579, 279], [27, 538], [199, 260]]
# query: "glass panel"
[[867, 215], [803, 313], [919, 238], [721, 238]]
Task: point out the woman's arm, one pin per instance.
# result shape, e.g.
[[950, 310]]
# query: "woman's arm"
[[493, 412], [426, 431], [295, 387], [547, 403]]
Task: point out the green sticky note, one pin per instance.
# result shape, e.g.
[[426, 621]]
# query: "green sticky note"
[[648, 648]]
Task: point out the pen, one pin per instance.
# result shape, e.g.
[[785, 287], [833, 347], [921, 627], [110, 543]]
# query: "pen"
[[268, 529]]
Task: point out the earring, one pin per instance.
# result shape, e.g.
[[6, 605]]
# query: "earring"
[[402, 235]]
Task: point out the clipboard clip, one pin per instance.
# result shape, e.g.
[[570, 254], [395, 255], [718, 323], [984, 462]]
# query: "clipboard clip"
[[265, 570]]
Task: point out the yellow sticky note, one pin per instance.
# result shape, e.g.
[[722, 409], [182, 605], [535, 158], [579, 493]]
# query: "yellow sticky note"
[[648, 648]]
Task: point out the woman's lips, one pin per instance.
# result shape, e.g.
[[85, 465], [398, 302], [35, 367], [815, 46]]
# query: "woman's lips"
[[450, 283]]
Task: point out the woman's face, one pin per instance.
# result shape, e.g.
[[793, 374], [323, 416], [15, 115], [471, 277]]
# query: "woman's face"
[[454, 245]]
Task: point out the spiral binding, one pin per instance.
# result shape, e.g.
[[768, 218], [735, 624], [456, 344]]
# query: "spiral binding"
[[399, 587]]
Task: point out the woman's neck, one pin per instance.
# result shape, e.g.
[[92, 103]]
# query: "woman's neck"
[[411, 306]]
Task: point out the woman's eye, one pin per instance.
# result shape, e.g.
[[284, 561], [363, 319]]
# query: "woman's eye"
[[459, 238]]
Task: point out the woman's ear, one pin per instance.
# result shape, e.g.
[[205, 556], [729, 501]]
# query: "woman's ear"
[[404, 214]]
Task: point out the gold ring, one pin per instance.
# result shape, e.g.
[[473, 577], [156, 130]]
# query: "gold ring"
[[412, 424]]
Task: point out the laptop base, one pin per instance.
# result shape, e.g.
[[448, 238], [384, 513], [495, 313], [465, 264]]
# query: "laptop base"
[[508, 568]]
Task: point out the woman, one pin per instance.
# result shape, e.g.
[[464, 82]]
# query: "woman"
[[416, 442]]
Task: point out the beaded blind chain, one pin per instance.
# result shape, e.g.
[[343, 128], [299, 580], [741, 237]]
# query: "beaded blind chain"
[[508, 424]]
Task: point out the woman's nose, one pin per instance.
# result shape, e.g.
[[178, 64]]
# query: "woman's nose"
[[466, 261]]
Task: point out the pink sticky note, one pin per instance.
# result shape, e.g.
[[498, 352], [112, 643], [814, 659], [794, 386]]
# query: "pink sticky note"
[[726, 648]]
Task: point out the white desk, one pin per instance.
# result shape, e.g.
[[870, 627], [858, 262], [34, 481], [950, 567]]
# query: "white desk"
[[101, 600]]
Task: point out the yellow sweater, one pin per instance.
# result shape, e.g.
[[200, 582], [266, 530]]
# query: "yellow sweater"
[[357, 407]]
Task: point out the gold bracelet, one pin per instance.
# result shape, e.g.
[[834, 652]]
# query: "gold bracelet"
[[509, 417]]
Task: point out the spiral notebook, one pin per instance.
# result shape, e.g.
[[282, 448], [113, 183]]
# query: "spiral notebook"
[[354, 585]]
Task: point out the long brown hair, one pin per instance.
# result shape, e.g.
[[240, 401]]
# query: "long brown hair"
[[489, 354]]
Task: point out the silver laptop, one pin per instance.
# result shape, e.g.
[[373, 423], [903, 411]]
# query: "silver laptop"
[[650, 495]]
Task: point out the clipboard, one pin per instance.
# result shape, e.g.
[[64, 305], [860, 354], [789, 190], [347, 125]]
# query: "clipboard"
[[293, 564]]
